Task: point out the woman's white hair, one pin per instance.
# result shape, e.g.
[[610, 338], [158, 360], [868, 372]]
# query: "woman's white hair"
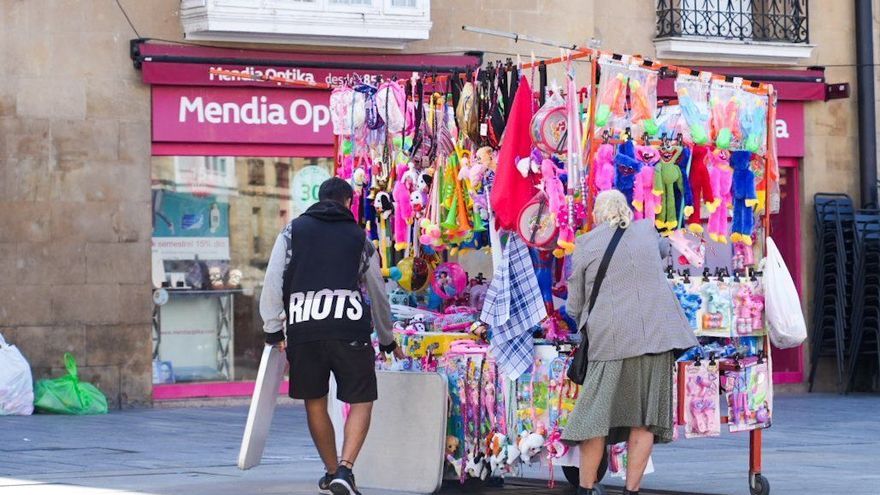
[[612, 208]]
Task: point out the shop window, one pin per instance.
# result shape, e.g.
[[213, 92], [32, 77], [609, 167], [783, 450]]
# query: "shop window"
[[256, 173], [214, 226], [282, 175]]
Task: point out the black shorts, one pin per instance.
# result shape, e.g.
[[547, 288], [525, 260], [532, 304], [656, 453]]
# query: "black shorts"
[[352, 363]]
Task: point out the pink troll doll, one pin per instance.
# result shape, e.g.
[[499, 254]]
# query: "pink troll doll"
[[721, 178], [645, 201], [603, 164], [403, 208]]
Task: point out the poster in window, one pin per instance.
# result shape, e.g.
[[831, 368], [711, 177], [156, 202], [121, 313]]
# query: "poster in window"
[[187, 226]]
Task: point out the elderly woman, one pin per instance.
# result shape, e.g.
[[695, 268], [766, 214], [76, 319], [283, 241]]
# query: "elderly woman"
[[635, 325]]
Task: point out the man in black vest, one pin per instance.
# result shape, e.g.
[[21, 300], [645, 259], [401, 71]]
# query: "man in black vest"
[[313, 288]]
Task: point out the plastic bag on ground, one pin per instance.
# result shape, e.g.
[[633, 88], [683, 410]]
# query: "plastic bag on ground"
[[68, 395], [784, 314], [16, 383]]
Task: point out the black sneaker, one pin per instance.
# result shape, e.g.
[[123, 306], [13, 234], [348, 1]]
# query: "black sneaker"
[[343, 482], [324, 484]]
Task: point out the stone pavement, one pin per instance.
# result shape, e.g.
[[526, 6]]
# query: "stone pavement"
[[819, 444]]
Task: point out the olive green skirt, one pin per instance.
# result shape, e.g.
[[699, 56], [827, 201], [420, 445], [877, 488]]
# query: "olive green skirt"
[[619, 395]]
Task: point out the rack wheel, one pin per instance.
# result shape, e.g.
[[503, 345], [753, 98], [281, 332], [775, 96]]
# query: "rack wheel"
[[759, 485], [573, 473]]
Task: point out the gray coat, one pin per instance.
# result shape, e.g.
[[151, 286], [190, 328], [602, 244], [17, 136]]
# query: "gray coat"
[[636, 312]]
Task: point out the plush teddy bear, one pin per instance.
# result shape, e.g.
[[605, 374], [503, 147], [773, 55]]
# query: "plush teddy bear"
[[701, 188], [452, 443], [626, 169], [745, 197], [645, 201], [603, 164]]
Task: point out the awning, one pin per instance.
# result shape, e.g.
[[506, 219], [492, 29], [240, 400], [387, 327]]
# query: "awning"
[[791, 85]]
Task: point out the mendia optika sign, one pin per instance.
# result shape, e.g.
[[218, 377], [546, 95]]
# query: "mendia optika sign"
[[187, 114]]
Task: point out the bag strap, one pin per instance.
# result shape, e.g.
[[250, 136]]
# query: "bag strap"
[[603, 266]]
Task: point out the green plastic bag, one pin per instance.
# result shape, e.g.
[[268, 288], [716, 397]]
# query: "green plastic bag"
[[67, 395]]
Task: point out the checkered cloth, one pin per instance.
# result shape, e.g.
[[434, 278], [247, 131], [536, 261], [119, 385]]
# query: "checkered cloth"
[[513, 308]]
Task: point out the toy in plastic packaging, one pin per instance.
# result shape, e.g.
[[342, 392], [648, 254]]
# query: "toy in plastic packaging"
[[643, 96], [618, 459], [753, 121], [717, 309], [611, 104], [691, 302], [702, 400], [671, 122], [749, 396], [693, 98], [749, 309], [68, 395], [16, 382], [449, 280], [724, 106], [549, 125]]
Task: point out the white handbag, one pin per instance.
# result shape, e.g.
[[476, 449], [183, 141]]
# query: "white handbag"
[[784, 313]]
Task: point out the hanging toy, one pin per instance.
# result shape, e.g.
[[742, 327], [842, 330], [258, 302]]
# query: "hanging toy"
[[404, 210], [384, 208], [645, 200], [643, 89], [567, 226], [548, 126], [684, 198], [412, 274], [627, 167], [612, 92], [744, 197], [449, 281], [724, 114], [693, 98], [666, 178], [701, 188], [721, 178], [690, 303], [749, 311], [753, 120], [603, 165]]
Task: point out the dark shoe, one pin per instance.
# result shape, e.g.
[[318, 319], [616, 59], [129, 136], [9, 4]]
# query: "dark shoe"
[[343, 482], [597, 490], [627, 492], [324, 484]]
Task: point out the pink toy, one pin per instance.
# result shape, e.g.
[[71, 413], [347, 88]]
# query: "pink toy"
[[603, 164], [721, 178], [702, 400], [552, 186], [449, 280], [403, 211], [749, 311], [645, 200]]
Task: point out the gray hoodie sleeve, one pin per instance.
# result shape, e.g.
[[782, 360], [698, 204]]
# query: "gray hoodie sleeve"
[[380, 308], [271, 298]]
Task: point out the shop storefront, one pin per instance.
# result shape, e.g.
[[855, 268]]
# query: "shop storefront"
[[233, 160]]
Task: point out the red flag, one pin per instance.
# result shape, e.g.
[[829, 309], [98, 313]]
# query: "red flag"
[[511, 190]]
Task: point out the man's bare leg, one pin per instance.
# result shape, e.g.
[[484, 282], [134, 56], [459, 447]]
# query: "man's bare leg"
[[321, 429], [356, 427]]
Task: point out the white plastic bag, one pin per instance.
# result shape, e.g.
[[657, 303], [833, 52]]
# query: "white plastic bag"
[[784, 313], [16, 383]]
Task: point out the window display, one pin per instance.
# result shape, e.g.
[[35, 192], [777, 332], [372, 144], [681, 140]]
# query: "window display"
[[215, 220]]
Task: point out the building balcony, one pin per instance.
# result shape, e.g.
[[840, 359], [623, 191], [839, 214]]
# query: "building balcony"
[[344, 23], [766, 31]]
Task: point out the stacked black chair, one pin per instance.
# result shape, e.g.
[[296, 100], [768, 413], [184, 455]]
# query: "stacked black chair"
[[865, 321], [832, 295]]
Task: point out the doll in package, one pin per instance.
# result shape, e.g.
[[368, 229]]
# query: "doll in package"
[[749, 396], [702, 400]]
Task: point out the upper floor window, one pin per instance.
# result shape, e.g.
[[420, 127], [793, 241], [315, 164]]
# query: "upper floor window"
[[755, 20]]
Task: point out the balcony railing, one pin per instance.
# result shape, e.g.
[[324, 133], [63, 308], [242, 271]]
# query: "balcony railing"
[[782, 21]]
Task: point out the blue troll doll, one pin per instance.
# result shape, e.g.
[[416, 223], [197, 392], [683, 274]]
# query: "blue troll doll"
[[626, 167], [745, 197], [684, 197]]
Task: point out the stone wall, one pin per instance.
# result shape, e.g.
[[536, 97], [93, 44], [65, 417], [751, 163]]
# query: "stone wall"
[[75, 191]]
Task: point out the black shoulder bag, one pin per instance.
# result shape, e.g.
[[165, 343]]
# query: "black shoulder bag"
[[577, 370]]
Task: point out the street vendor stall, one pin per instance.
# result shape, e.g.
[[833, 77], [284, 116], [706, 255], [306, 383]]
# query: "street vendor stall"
[[501, 167]]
